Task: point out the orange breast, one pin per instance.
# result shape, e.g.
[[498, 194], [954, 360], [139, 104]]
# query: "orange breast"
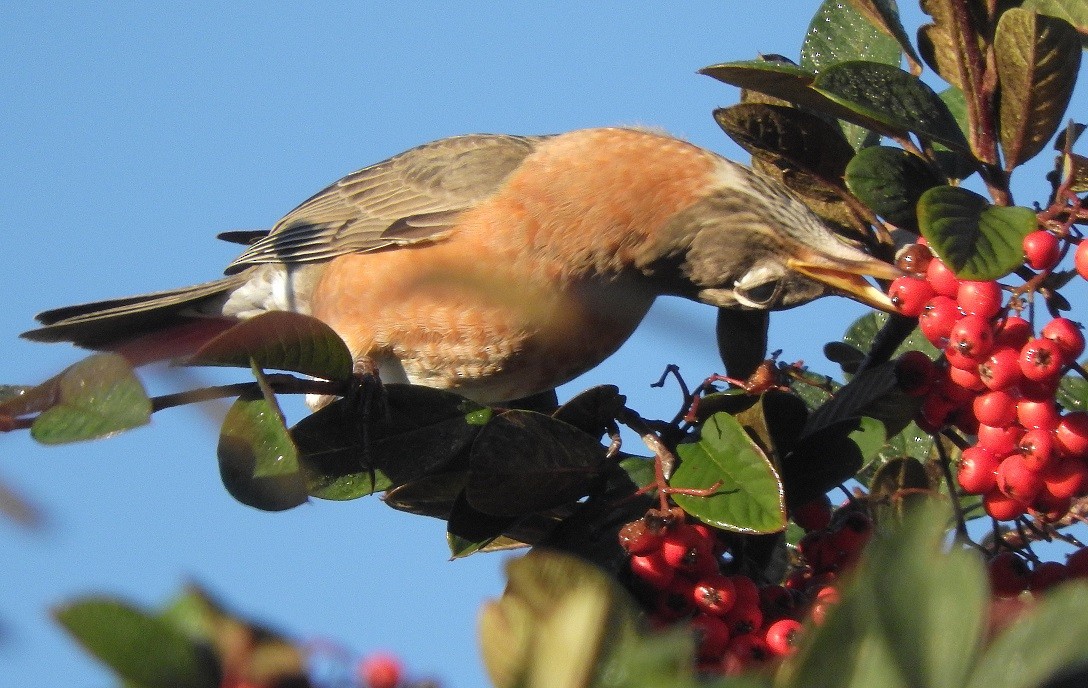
[[534, 285]]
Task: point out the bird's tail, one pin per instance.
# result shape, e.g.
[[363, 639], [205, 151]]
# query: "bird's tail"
[[144, 328]]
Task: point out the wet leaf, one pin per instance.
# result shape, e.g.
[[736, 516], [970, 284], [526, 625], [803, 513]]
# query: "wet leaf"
[[890, 181], [1038, 58], [258, 461], [884, 15], [976, 240], [523, 462], [895, 101], [97, 397], [750, 498], [280, 340], [139, 647]]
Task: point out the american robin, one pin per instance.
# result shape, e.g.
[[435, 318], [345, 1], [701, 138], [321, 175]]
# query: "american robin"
[[501, 266]]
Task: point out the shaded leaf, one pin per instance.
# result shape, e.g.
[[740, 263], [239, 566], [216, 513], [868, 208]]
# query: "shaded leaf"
[[895, 101], [470, 530], [863, 331], [1038, 58], [593, 411], [523, 462], [976, 240], [421, 431], [280, 340], [750, 498], [829, 457], [97, 397], [742, 340], [787, 136], [1073, 11], [890, 181], [142, 649], [258, 461], [1016, 658], [432, 495]]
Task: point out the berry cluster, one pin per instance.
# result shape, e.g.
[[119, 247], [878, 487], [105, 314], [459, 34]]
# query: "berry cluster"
[[685, 573], [996, 382]]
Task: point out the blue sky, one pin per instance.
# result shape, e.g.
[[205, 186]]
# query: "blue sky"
[[134, 132]]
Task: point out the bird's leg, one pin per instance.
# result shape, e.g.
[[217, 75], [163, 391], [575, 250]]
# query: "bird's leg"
[[664, 461]]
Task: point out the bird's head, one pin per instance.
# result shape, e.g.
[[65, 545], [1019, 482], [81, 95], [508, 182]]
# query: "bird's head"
[[751, 244]]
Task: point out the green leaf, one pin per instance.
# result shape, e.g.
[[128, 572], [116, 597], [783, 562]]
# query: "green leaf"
[[280, 340], [750, 498], [890, 181], [863, 331], [97, 397], [895, 101], [142, 649], [1073, 11], [523, 462], [830, 456], [839, 33], [561, 623], [1030, 651], [258, 462], [910, 602], [976, 240], [954, 164], [884, 15], [1038, 58], [1073, 393]]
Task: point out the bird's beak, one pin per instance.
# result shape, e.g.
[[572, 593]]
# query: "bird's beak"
[[846, 277]]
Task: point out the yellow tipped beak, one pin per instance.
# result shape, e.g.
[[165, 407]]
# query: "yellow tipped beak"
[[848, 278]]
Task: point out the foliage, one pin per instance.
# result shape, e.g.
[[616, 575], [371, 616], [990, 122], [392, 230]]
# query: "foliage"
[[876, 151]]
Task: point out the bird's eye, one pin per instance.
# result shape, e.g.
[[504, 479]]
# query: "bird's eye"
[[759, 295]]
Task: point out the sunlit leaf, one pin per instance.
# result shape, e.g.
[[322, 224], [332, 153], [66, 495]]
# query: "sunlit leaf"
[[890, 181], [1038, 58], [898, 102], [1073, 11], [976, 240], [280, 340], [141, 648], [750, 497], [885, 16], [97, 397]]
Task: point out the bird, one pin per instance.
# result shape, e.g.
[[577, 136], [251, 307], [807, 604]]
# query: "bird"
[[499, 266]]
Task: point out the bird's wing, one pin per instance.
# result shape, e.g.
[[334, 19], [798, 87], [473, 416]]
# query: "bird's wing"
[[410, 198]]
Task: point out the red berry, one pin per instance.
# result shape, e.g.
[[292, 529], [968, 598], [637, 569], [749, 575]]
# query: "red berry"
[[1046, 575], [1041, 359], [1077, 564], [653, 569], [1066, 478], [1042, 250], [942, 279], [1016, 480], [745, 652], [711, 636], [636, 538], [979, 298], [1080, 259], [995, 408], [1013, 331], [747, 592], [684, 547], [1001, 369], [1001, 440], [744, 617], [1008, 574], [1002, 507], [968, 378], [715, 594], [782, 636], [1037, 414], [1068, 335], [937, 319], [1071, 435], [909, 295], [677, 600], [814, 514], [380, 670], [978, 470], [914, 259], [1037, 448], [972, 338]]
